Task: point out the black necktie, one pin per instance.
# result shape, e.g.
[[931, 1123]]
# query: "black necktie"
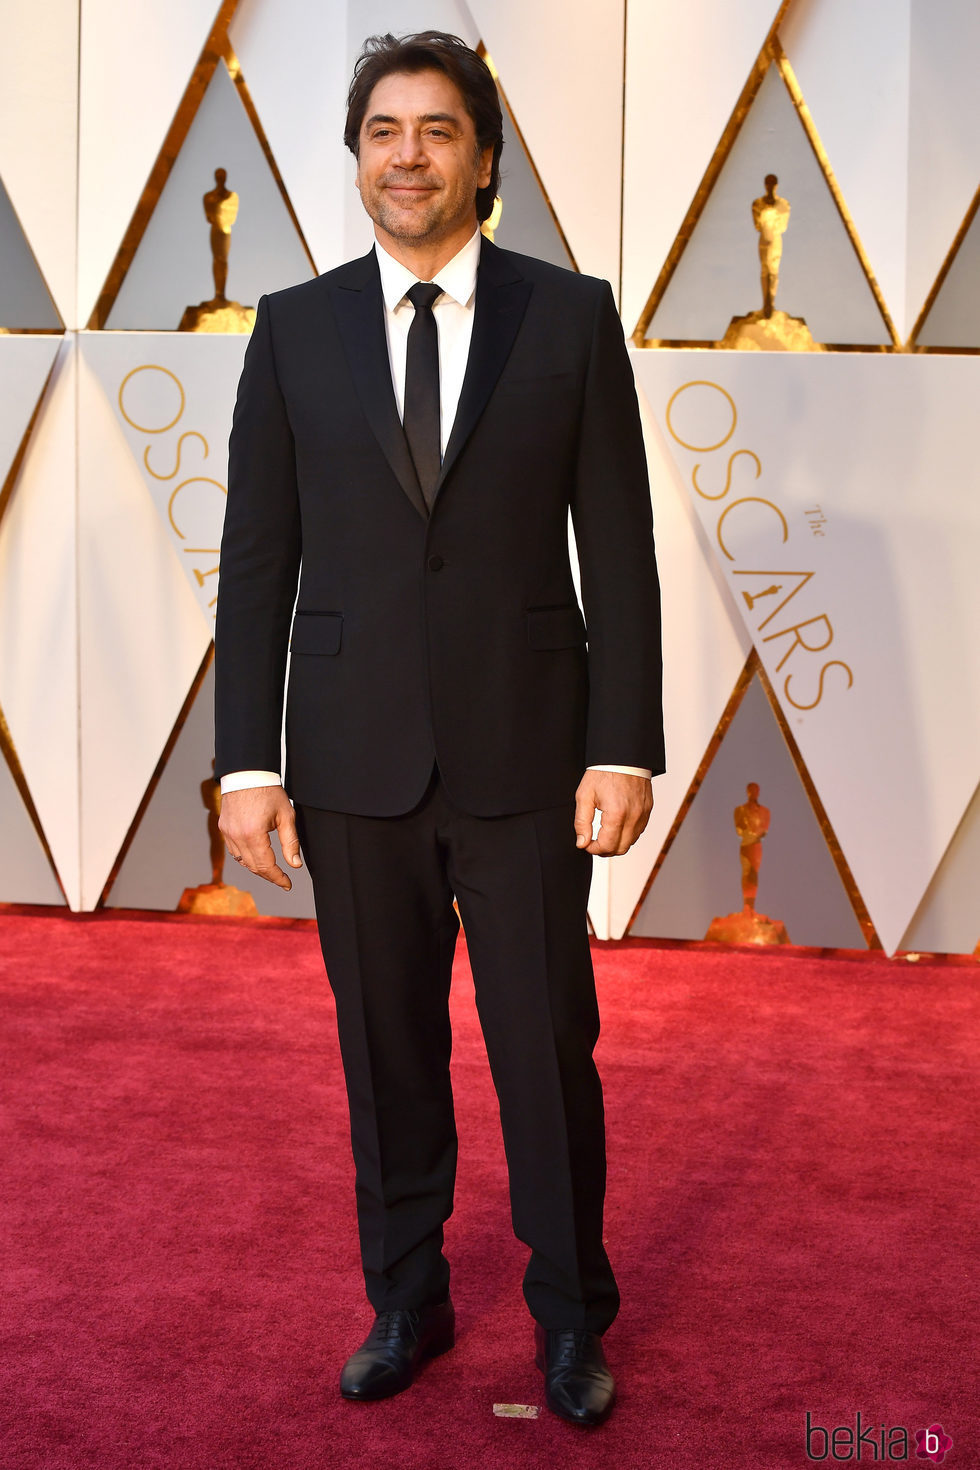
[[421, 420]]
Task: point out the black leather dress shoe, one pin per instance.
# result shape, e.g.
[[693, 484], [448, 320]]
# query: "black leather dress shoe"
[[394, 1350], [577, 1382]]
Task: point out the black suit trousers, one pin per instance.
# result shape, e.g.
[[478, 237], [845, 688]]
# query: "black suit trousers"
[[384, 891]]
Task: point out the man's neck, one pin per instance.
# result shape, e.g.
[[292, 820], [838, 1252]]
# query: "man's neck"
[[425, 259]]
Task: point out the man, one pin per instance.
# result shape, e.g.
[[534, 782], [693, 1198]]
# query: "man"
[[411, 430]]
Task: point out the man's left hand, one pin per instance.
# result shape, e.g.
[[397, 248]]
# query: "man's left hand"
[[625, 803]]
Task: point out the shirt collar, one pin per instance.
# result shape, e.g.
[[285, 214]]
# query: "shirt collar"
[[457, 277]]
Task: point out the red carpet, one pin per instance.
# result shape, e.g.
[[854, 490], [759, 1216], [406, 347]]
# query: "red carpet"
[[792, 1212]]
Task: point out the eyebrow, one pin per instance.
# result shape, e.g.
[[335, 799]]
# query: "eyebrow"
[[423, 117]]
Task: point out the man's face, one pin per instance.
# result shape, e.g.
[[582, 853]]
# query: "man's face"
[[419, 167]]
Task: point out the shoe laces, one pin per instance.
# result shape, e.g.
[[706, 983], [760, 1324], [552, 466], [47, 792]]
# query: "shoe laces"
[[571, 1343], [393, 1324]]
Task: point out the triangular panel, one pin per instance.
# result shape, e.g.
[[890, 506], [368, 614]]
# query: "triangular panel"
[[143, 630], [951, 318], [947, 920], [170, 849], [294, 55], [172, 267], [851, 58], [39, 691], [25, 301], [26, 874], [838, 496], [39, 135], [527, 221], [686, 66], [944, 137], [700, 668], [717, 275], [404, 17], [172, 395], [25, 363], [134, 69], [700, 876], [572, 123]]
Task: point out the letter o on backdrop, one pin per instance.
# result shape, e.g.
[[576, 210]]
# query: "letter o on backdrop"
[[703, 414], [155, 400]]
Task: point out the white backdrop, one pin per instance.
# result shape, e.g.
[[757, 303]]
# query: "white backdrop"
[[847, 479]]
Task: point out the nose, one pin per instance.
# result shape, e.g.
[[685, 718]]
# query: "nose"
[[410, 152]]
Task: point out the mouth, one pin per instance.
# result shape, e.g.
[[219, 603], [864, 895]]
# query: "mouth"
[[409, 191]]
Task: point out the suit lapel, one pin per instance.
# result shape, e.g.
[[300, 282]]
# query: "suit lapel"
[[359, 312], [502, 295]]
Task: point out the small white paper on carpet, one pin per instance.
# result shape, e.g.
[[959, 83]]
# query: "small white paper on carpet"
[[516, 1411]]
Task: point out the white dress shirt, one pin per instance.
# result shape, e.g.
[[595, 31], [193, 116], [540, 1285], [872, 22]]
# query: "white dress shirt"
[[453, 312]]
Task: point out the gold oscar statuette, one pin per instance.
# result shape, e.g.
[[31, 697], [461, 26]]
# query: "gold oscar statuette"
[[749, 927], [219, 314], [769, 330], [216, 897], [492, 222]]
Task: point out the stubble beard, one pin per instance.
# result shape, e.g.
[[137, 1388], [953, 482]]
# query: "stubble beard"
[[417, 223], [436, 217]]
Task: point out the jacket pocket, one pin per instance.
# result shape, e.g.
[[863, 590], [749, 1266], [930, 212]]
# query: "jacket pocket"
[[317, 633], [558, 626]]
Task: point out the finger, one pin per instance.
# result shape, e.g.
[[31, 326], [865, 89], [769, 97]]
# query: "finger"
[[585, 810], [260, 860], [620, 828], [631, 829], [288, 838], [639, 826], [609, 836], [272, 873]]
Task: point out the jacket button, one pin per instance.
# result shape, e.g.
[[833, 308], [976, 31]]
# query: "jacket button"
[[435, 562]]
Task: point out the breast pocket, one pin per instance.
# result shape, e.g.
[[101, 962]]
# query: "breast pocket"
[[317, 633], [559, 625]]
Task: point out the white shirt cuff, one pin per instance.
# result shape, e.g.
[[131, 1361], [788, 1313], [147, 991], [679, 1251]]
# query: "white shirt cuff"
[[624, 770], [245, 780]]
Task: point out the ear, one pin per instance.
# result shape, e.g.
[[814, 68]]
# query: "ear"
[[486, 167]]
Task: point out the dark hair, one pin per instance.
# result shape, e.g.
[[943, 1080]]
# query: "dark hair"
[[383, 56]]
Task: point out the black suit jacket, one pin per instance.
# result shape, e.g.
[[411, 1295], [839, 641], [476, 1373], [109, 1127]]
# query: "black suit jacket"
[[454, 635]]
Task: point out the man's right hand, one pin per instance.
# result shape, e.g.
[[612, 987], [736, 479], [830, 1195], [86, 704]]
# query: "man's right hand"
[[247, 818]]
